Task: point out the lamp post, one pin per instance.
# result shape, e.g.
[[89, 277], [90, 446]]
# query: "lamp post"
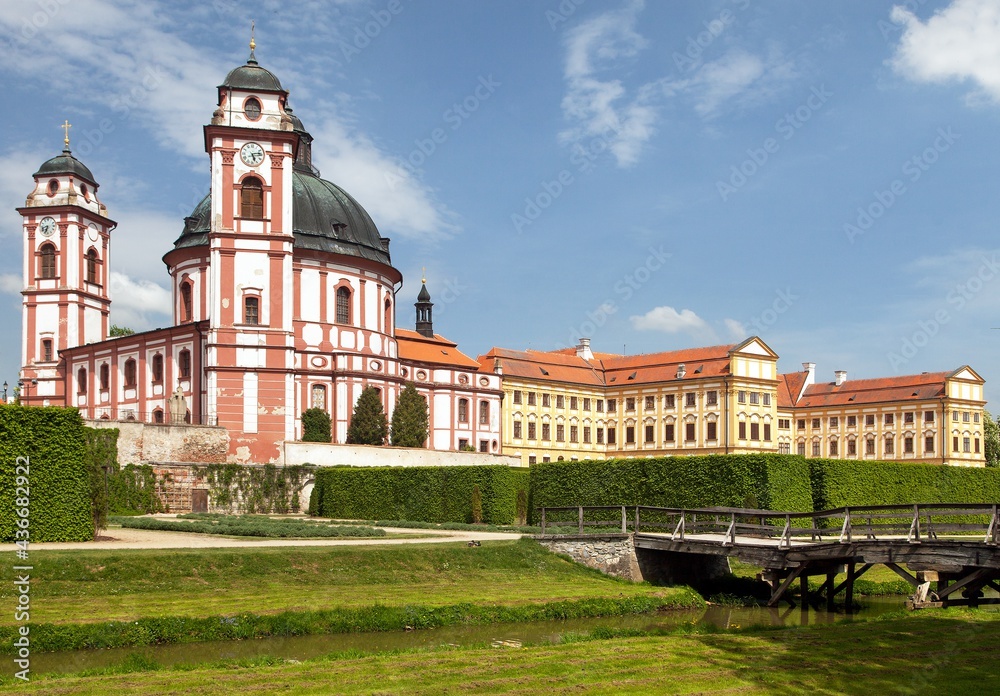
[[5, 385]]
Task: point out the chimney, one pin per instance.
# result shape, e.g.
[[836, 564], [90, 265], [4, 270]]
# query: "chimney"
[[841, 376], [810, 369], [681, 371], [497, 366], [583, 350]]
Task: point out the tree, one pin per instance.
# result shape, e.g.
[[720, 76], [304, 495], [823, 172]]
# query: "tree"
[[409, 419], [116, 331], [368, 424], [991, 437], [315, 425]]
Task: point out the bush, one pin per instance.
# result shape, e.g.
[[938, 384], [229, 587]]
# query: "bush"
[[409, 419], [315, 425], [766, 481], [425, 494], [51, 443]]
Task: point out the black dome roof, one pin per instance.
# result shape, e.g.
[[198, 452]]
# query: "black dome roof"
[[252, 77], [66, 163], [324, 218]]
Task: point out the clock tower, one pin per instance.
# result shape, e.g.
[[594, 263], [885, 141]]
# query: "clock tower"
[[66, 301]]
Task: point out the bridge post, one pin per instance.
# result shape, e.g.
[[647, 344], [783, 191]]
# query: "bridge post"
[[580, 518], [849, 590], [804, 591], [623, 520]]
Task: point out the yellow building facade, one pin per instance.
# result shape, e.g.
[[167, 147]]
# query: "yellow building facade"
[[576, 404]]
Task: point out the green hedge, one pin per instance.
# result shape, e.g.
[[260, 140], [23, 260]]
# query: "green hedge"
[[426, 494], [838, 483], [133, 491], [53, 441], [766, 481]]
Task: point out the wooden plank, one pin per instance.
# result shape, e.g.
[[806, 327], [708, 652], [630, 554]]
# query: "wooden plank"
[[777, 595], [902, 573], [973, 577]]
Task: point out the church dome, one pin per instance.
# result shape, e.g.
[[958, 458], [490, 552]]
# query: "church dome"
[[66, 163], [324, 218], [252, 78]]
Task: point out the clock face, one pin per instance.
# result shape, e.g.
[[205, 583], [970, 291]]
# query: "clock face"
[[92, 232], [252, 154], [47, 226]]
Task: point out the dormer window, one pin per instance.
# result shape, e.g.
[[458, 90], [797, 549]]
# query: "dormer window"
[[252, 199], [251, 109]]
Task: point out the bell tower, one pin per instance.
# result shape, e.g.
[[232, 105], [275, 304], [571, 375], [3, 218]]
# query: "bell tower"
[[67, 250], [425, 322]]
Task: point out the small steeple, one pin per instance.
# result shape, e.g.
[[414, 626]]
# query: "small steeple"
[[66, 126], [252, 60], [425, 324]]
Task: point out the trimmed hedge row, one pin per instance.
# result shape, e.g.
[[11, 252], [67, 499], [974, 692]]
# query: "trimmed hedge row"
[[428, 494], [766, 481], [58, 480], [839, 483]]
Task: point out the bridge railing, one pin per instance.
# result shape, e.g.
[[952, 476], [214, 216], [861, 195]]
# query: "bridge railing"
[[915, 523]]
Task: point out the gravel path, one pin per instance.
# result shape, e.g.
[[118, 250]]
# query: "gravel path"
[[156, 539]]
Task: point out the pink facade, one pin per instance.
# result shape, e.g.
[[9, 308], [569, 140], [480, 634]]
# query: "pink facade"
[[284, 298]]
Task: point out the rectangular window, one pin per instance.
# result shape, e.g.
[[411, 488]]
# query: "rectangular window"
[[928, 416], [129, 374], [767, 432], [630, 403], [784, 423], [741, 397], [890, 445], [611, 436], [908, 417], [834, 421], [574, 433], [586, 403], [668, 401], [977, 445], [46, 350], [908, 445], [800, 424], [573, 403], [532, 459], [600, 436], [531, 430], [517, 430], [712, 398], [852, 421], [965, 416], [517, 396], [929, 444], [546, 431], [870, 420], [484, 413], [612, 406], [532, 398], [649, 433], [815, 423], [965, 444], [668, 433], [546, 459], [766, 399], [784, 448], [251, 310], [954, 416], [889, 419], [815, 449], [630, 435], [954, 444], [852, 447], [870, 446], [650, 403], [743, 430], [600, 405], [754, 398], [755, 431], [560, 401], [546, 400], [586, 434], [689, 432], [484, 446], [833, 448], [463, 444], [183, 364], [157, 368], [463, 410], [560, 432], [800, 449], [975, 417], [690, 400], [712, 430]]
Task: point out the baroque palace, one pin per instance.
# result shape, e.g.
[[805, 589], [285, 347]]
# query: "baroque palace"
[[284, 298], [577, 404]]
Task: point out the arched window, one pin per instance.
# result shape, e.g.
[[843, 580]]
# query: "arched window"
[[53, 187], [105, 377], [484, 413], [186, 314], [251, 310], [47, 261], [252, 199], [81, 380], [129, 375], [157, 368], [91, 264], [463, 410], [387, 320], [251, 108], [184, 363], [318, 396], [343, 306], [158, 416]]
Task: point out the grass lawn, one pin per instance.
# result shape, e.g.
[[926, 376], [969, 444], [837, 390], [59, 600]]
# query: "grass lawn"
[[91, 586], [936, 651]]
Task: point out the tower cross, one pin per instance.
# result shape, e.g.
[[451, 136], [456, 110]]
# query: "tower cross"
[[66, 126]]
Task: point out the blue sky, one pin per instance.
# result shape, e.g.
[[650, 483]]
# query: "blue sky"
[[651, 175]]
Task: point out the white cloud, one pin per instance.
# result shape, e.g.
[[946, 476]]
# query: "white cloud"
[[960, 42], [735, 328], [669, 320], [11, 283], [138, 304]]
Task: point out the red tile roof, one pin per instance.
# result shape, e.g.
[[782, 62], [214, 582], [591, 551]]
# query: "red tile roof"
[[439, 350], [929, 385], [547, 366], [789, 388]]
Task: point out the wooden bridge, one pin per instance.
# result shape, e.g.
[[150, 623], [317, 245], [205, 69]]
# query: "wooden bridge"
[[955, 547]]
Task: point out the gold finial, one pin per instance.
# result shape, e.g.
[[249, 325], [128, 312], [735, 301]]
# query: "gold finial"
[[253, 44], [423, 275], [66, 126]]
